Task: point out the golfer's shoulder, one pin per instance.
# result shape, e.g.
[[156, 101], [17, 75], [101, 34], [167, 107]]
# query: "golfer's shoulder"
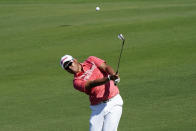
[[92, 58]]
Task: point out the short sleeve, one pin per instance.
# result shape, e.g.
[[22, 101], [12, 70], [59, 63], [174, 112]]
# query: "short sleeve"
[[96, 60], [80, 85]]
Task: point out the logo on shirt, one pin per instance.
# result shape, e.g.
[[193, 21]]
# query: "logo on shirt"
[[88, 73]]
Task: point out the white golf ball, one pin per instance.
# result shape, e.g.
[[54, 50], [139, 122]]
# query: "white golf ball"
[[97, 8]]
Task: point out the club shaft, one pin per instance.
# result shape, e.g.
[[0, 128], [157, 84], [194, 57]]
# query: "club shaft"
[[120, 56]]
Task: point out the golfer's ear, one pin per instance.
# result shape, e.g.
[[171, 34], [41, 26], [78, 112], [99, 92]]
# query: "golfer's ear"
[[75, 60]]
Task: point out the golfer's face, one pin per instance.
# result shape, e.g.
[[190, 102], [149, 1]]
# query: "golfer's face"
[[73, 67]]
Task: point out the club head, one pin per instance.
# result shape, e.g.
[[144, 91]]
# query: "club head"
[[120, 36]]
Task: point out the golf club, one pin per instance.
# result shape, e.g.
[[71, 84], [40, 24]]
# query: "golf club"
[[120, 36]]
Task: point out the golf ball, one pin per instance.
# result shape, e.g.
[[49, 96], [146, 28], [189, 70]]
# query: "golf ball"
[[97, 8]]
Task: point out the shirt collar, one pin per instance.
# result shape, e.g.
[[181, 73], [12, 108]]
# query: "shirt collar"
[[83, 70]]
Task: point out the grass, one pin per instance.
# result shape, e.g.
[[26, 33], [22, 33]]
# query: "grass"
[[158, 74]]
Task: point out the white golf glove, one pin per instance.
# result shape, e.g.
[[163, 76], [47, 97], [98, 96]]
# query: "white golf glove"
[[117, 81]]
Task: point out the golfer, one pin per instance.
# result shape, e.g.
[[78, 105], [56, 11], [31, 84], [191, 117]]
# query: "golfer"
[[95, 78]]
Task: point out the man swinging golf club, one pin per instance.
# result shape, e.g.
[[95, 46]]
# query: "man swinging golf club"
[[98, 80]]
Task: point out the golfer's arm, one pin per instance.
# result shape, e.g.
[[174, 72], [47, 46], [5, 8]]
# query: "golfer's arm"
[[92, 83], [106, 68]]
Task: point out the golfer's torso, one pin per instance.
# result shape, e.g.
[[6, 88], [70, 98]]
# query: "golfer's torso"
[[99, 93]]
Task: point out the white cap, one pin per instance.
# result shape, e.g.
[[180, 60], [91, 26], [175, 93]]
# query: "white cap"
[[64, 59]]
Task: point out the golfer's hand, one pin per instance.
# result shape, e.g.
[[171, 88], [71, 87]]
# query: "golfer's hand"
[[116, 81], [115, 78]]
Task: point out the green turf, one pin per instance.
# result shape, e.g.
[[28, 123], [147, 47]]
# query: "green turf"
[[158, 69]]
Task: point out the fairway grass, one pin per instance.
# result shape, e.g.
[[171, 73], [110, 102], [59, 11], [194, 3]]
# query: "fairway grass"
[[158, 65]]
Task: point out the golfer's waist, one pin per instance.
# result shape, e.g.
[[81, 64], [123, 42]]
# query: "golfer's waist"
[[110, 99]]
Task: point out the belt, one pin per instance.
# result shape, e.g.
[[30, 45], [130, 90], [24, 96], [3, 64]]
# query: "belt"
[[108, 99]]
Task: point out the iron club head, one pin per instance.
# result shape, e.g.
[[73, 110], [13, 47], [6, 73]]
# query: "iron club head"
[[120, 36]]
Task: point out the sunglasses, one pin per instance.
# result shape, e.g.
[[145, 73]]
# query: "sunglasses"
[[68, 64]]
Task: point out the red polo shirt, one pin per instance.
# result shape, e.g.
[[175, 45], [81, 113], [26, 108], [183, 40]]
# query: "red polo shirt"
[[91, 72]]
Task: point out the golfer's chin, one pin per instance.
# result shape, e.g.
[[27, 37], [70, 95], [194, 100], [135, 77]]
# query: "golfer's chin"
[[72, 71]]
